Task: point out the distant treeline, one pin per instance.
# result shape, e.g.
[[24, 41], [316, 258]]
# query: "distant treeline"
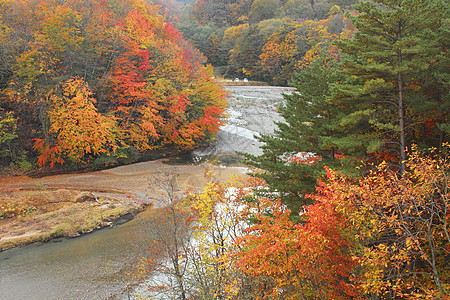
[[266, 40]]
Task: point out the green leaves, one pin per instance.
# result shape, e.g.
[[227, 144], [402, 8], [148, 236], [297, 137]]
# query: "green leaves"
[[389, 50]]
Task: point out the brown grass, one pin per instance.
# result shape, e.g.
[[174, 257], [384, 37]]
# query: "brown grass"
[[34, 216], [43, 208]]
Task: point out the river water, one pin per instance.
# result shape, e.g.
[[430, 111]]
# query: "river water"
[[95, 265], [89, 267]]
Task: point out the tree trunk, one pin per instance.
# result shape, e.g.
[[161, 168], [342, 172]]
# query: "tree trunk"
[[401, 118]]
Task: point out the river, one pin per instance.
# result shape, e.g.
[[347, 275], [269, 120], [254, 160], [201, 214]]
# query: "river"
[[95, 265], [88, 267]]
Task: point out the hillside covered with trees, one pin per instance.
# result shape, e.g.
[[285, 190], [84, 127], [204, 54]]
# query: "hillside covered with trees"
[[99, 82], [349, 199], [267, 40]]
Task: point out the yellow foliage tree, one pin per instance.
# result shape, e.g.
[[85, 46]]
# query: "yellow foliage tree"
[[78, 128], [221, 213], [402, 223]]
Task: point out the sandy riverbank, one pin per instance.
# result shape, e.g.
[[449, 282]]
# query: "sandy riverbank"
[[57, 207]]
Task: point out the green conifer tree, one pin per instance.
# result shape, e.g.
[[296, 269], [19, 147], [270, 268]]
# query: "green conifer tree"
[[433, 107], [392, 46], [310, 129]]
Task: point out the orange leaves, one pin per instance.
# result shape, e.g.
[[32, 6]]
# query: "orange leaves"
[[401, 223], [304, 158], [141, 28], [186, 133], [278, 51], [270, 56], [381, 235], [305, 261], [162, 97], [78, 127], [170, 32], [48, 155], [210, 121], [179, 105], [150, 84], [385, 235]]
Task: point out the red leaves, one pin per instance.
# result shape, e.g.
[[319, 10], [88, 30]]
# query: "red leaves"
[[159, 97], [303, 259], [151, 86], [48, 155], [304, 158], [398, 222], [179, 104], [129, 73], [211, 119], [171, 32]]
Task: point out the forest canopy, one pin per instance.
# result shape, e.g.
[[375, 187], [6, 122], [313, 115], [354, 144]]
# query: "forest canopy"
[[349, 198], [350, 195], [266, 40], [85, 82]]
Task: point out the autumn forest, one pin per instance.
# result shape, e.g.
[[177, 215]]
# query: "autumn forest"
[[349, 198], [100, 80]]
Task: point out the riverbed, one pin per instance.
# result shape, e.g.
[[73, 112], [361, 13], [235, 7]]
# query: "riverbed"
[[95, 266]]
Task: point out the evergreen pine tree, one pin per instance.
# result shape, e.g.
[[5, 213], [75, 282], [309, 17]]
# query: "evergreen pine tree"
[[392, 46], [433, 107], [309, 131]]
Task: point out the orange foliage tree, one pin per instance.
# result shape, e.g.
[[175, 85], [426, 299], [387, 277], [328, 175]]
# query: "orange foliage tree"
[[78, 130], [163, 97], [400, 226], [302, 261], [296, 45], [403, 223], [384, 236], [137, 65]]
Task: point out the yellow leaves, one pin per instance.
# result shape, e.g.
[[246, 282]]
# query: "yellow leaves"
[[232, 33], [401, 222], [4, 30], [410, 243], [8, 128], [136, 63], [61, 29], [246, 72], [169, 95], [220, 218], [79, 128], [205, 203], [409, 224], [30, 65]]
